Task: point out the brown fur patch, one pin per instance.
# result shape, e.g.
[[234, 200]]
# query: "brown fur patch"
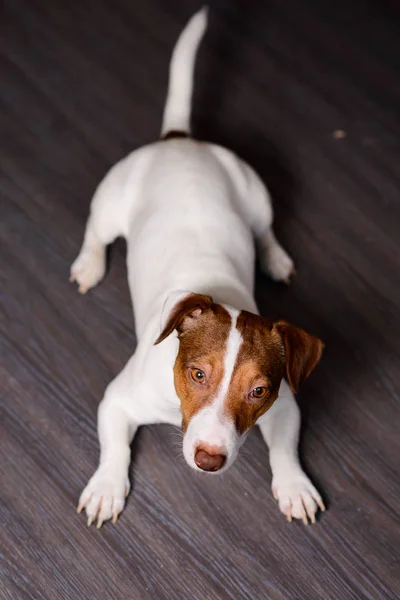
[[303, 352], [185, 314], [202, 347], [268, 353], [260, 363]]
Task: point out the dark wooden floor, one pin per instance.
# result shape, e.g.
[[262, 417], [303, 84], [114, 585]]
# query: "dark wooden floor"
[[83, 82]]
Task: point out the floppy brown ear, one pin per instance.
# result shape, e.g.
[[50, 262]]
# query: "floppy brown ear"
[[303, 352], [184, 313]]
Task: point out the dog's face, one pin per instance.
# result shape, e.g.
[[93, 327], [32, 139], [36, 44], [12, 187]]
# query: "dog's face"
[[227, 373]]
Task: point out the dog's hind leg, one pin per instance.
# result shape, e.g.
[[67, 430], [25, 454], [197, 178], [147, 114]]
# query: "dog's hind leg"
[[90, 265], [110, 213], [274, 260], [103, 226]]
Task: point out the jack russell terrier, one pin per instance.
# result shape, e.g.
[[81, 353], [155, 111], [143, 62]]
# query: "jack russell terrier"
[[205, 360]]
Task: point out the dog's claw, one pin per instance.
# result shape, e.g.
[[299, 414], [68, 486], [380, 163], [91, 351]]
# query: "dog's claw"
[[298, 499], [89, 267], [288, 279], [103, 497], [80, 508]]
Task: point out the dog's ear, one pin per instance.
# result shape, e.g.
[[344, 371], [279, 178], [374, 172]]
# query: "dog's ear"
[[303, 352], [181, 311]]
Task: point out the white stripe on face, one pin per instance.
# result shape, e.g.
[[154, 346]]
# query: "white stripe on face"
[[210, 425], [233, 345]]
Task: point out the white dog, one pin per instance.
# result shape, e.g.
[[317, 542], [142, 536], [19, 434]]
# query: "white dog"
[[205, 359]]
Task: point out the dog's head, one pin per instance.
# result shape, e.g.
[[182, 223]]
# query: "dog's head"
[[228, 371]]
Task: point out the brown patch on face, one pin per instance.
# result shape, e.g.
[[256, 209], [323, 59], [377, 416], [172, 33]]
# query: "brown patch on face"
[[260, 363], [268, 353], [201, 348]]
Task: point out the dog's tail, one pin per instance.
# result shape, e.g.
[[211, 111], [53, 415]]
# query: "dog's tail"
[[176, 119]]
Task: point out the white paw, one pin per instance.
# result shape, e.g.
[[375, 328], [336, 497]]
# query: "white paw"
[[88, 269], [297, 497], [104, 496], [277, 263]]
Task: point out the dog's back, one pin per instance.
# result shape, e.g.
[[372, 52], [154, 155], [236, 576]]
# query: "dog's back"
[[189, 227], [187, 208]]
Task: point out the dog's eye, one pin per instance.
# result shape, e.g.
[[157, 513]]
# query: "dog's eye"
[[259, 392], [198, 375]]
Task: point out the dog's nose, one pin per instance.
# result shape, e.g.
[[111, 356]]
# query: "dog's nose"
[[208, 461]]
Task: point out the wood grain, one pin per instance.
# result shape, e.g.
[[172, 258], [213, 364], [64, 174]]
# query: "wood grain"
[[83, 83]]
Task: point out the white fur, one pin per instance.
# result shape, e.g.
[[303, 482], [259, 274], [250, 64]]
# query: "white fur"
[[179, 97], [188, 211], [233, 345]]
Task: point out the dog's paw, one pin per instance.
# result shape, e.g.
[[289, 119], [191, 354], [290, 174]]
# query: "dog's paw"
[[104, 496], [297, 497], [88, 269], [276, 263]]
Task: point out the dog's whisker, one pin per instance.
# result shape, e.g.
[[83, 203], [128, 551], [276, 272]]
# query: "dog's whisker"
[[177, 428], [176, 448]]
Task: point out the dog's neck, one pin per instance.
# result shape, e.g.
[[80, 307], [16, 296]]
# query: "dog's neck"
[[236, 296]]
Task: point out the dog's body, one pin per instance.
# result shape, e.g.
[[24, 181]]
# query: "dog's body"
[[189, 211]]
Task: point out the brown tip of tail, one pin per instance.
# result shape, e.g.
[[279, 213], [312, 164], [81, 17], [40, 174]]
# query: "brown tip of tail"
[[174, 134]]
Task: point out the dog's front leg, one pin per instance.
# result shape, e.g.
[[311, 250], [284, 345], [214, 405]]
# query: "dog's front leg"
[[280, 428], [105, 494]]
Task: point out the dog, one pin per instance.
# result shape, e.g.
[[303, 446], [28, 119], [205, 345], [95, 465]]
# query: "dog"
[[205, 359]]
